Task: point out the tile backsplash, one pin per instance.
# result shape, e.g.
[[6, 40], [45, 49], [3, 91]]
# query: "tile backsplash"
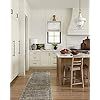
[[74, 41]]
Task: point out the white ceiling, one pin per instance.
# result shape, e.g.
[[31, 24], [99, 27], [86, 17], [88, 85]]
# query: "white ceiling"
[[57, 3]]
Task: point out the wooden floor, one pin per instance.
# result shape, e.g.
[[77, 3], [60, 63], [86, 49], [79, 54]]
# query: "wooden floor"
[[58, 92]]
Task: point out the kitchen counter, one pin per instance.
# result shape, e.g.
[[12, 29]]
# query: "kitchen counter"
[[46, 50], [83, 55], [63, 59]]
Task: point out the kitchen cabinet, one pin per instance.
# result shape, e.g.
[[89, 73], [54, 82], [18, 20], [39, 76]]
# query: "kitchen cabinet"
[[53, 60], [45, 58], [15, 41], [35, 57]]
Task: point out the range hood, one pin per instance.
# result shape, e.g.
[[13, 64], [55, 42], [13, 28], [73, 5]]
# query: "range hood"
[[73, 29]]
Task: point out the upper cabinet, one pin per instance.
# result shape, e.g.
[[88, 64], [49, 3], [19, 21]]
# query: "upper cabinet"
[[73, 29]]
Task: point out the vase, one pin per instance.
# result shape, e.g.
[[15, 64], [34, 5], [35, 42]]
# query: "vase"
[[55, 47]]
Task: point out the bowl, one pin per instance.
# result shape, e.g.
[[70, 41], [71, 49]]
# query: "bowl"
[[74, 52], [64, 51]]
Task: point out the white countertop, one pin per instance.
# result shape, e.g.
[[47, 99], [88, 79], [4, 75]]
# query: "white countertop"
[[45, 50], [83, 55]]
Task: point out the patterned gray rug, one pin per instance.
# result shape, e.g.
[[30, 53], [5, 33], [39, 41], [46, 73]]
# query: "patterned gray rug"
[[38, 87]]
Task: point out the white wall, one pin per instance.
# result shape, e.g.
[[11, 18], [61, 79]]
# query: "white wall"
[[38, 26], [74, 41], [75, 36]]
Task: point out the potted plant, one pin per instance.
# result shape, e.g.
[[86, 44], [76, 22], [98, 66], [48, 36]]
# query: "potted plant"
[[54, 45]]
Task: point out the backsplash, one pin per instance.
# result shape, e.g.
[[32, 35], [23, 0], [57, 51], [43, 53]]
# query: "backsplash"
[[74, 41], [70, 42]]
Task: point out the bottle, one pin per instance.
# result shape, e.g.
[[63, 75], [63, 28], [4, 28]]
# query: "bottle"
[[83, 45]]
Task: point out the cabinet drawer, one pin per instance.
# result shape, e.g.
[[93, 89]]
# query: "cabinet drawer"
[[35, 63], [34, 57], [34, 53]]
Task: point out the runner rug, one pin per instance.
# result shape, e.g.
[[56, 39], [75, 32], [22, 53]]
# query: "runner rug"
[[38, 87]]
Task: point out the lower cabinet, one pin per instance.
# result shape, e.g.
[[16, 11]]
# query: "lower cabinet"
[[53, 59], [35, 57], [43, 58]]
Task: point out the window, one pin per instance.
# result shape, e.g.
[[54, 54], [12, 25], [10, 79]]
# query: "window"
[[54, 37], [54, 32]]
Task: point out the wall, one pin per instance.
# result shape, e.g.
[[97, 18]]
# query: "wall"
[[38, 26], [74, 41], [75, 36]]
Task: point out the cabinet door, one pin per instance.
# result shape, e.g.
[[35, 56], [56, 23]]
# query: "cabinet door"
[[53, 59], [45, 58], [15, 39], [15, 49], [35, 58]]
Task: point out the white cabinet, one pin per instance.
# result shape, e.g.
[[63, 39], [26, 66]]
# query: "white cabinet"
[[45, 58], [15, 41], [42, 58], [48, 58], [35, 57], [53, 59]]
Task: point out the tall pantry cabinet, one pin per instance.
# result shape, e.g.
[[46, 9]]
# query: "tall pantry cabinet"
[[15, 39]]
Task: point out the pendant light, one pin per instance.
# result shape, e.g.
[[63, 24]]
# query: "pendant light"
[[80, 20]]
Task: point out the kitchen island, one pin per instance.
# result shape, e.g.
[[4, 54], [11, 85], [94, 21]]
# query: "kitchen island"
[[63, 59]]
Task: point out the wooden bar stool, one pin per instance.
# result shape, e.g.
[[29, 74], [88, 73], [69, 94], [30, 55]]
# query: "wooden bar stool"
[[77, 65]]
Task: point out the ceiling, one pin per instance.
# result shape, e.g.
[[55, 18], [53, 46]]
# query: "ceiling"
[[57, 3]]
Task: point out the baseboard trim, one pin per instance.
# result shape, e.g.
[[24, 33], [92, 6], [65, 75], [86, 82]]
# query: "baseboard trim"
[[13, 80]]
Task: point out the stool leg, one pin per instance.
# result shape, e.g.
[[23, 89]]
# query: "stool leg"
[[82, 74], [71, 78], [63, 75], [82, 78]]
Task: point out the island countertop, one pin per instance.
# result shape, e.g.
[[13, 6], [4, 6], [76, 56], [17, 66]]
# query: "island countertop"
[[83, 55]]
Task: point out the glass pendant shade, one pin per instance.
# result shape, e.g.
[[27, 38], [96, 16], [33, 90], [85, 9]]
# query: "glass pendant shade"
[[80, 21]]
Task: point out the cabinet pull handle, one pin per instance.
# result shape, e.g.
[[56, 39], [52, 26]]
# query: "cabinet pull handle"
[[13, 48], [19, 47], [34, 63]]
